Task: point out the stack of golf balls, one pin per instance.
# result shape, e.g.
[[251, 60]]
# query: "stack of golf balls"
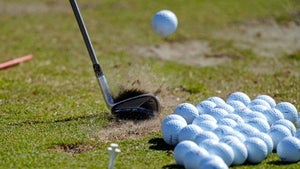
[[220, 133]]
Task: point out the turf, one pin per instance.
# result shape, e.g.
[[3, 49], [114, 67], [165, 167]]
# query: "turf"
[[51, 107]]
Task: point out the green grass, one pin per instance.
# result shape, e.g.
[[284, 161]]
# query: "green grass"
[[54, 100]]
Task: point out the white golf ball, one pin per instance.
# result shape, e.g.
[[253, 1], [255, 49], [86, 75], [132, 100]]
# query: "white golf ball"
[[216, 99], [224, 151], [258, 102], [170, 131], [272, 115], [212, 162], [182, 148], [164, 23], [287, 124], [206, 125], [192, 158], [226, 107], [288, 149], [240, 96], [238, 119], [204, 117], [217, 113], [258, 108], [277, 133], [207, 144], [205, 135], [267, 98], [254, 114], [222, 130], [257, 150], [227, 122], [205, 106], [238, 147], [246, 129], [236, 104], [288, 110], [172, 117], [189, 132], [267, 139], [187, 110], [259, 123]]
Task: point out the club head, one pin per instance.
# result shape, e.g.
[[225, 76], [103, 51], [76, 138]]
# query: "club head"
[[138, 107]]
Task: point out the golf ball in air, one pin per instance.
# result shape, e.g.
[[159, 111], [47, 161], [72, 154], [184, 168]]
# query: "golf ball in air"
[[164, 23]]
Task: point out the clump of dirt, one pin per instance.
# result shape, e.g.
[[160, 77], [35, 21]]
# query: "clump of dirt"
[[72, 148]]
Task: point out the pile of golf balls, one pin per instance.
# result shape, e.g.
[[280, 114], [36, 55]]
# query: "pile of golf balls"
[[164, 23], [219, 133]]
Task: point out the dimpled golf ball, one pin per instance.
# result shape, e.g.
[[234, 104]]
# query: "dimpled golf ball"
[[224, 151], [187, 110], [192, 158], [240, 96], [259, 123], [164, 23], [226, 107], [206, 125], [277, 133], [267, 139], [288, 110], [222, 130], [288, 149], [238, 147], [182, 148], [212, 162], [258, 102], [287, 124], [172, 117], [205, 106], [238, 119], [227, 122], [217, 113], [216, 100], [257, 150], [170, 131], [189, 132], [272, 115], [267, 98], [204, 117], [205, 135], [236, 104]]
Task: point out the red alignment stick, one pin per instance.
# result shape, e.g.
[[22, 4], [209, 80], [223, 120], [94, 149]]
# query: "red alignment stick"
[[15, 61]]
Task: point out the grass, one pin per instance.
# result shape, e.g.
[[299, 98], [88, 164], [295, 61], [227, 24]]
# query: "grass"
[[51, 108]]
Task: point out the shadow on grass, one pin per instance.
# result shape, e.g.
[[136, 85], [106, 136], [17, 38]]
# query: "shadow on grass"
[[159, 144], [279, 163], [172, 166]]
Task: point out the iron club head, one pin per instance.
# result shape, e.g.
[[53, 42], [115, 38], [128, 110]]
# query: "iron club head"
[[133, 104]]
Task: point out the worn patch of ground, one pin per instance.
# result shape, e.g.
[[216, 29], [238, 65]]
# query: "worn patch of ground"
[[192, 52], [265, 38]]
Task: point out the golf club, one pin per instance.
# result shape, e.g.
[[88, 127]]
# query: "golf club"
[[131, 104]]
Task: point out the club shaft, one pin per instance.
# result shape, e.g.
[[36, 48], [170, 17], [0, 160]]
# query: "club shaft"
[[97, 67]]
